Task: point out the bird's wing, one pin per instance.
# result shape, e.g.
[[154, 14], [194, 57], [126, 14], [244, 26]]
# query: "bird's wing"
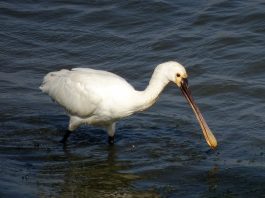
[[99, 73], [72, 91], [82, 91]]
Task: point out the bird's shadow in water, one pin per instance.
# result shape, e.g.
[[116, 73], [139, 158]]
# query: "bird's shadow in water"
[[111, 151], [100, 174]]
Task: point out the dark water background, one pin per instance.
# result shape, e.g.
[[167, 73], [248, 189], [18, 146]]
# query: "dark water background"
[[160, 152]]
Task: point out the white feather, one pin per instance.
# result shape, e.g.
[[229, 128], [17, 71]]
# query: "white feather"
[[99, 97]]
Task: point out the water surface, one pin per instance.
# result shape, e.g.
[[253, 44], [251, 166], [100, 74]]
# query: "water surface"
[[160, 152]]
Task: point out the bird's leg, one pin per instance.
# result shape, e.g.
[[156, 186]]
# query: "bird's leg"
[[65, 137], [111, 133], [73, 124], [111, 140]]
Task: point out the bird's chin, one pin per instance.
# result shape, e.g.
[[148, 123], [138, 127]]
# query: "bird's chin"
[[209, 137]]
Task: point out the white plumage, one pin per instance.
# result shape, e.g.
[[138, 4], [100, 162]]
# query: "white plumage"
[[101, 98]]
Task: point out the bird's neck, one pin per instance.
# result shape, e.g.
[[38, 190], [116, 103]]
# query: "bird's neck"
[[149, 96]]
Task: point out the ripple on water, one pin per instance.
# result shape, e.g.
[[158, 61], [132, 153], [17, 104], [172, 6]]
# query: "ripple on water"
[[160, 152]]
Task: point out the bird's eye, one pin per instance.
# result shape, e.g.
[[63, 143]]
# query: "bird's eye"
[[178, 75]]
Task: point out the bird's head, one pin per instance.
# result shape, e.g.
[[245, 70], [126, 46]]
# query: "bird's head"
[[178, 75], [174, 72]]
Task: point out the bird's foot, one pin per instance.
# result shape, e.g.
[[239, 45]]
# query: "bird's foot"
[[111, 140], [65, 137]]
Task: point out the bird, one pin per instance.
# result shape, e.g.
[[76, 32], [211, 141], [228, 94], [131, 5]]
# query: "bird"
[[101, 98]]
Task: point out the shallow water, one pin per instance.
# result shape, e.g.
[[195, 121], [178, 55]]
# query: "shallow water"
[[160, 152]]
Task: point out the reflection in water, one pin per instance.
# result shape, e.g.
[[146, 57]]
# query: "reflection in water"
[[212, 178], [91, 177]]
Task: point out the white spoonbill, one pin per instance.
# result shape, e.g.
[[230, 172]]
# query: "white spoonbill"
[[101, 98]]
